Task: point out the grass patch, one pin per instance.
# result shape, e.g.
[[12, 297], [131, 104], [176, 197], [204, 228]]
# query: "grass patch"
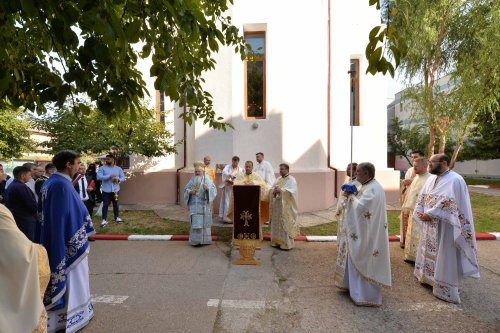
[[146, 222], [481, 181], [485, 209]]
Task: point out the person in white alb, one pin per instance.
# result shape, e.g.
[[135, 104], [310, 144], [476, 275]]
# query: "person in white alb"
[[265, 170], [229, 174]]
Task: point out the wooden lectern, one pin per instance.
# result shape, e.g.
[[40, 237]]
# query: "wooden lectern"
[[246, 222]]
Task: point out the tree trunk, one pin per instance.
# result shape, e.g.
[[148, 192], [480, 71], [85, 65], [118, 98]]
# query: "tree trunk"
[[456, 151], [442, 143], [432, 140]]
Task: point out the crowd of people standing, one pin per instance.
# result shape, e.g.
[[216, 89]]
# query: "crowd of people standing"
[[46, 216]]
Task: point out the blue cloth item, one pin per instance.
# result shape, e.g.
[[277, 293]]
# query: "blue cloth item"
[[349, 188], [104, 174], [64, 230]]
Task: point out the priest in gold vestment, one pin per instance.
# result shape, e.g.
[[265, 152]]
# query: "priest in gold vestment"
[[25, 274], [207, 169], [412, 238], [250, 178], [283, 199]]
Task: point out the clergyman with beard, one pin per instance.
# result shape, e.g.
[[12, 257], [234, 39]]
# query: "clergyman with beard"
[[447, 252], [65, 227]]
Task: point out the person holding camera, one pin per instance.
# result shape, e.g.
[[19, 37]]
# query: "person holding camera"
[[111, 177]]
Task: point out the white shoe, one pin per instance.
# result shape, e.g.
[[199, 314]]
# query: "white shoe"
[[104, 223], [118, 220]]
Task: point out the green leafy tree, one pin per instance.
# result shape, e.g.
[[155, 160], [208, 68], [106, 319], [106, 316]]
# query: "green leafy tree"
[[55, 51], [94, 134], [402, 140], [454, 38], [484, 140], [14, 134]]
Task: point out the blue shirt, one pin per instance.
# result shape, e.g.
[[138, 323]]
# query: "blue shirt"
[[104, 174]]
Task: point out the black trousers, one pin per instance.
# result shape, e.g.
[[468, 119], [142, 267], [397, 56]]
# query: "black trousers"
[[108, 197]]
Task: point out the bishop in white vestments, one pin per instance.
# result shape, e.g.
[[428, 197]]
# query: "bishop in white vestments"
[[447, 251], [363, 243]]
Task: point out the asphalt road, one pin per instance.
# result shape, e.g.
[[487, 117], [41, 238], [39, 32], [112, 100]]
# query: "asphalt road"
[[171, 287]]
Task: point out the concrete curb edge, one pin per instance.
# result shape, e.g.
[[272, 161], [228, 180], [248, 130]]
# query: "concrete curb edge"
[[393, 238]]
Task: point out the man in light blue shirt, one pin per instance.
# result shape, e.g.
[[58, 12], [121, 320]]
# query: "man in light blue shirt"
[[111, 177]]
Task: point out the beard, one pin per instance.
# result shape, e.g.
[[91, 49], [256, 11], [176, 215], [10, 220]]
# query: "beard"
[[108, 163], [437, 170]]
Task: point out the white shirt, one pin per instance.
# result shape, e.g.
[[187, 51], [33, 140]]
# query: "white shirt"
[[266, 172]]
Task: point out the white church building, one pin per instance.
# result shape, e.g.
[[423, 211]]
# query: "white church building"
[[292, 103]]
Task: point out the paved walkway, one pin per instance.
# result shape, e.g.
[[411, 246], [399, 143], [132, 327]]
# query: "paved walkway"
[[484, 190], [173, 287]]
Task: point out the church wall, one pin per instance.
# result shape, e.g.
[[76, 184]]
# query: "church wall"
[[295, 130]]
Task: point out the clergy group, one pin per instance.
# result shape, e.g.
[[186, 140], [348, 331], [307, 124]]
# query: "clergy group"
[[439, 231], [278, 198]]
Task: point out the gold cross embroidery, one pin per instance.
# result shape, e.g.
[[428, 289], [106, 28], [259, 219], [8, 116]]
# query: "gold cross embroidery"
[[246, 216], [367, 215]]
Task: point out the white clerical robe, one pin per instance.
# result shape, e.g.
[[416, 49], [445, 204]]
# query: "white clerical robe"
[[413, 230], [447, 251], [363, 246], [266, 172], [284, 212], [228, 173]]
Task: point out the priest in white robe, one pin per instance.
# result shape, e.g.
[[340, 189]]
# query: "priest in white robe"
[[364, 242], [342, 223], [412, 238], [284, 198], [199, 194], [265, 170], [229, 174], [447, 252]]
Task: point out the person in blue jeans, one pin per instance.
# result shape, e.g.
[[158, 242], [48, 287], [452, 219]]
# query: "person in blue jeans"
[[111, 177]]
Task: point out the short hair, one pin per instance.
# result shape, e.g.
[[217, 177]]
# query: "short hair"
[[286, 166], [419, 152], [29, 165], [49, 166], [109, 155], [61, 158], [259, 153], [367, 167], [444, 158], [235, 158], [249, 162], [20, 170]]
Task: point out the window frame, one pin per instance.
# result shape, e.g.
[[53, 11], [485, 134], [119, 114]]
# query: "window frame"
[[264, 83]]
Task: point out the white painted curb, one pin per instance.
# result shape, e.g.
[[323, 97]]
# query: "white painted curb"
[[150, 237], [321, 238], [496, 234]]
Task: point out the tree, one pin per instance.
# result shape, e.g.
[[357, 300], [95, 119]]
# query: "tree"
[[454, 38], [54, 51], [484, 140], [97, 134], [403, 140], [14, 133]]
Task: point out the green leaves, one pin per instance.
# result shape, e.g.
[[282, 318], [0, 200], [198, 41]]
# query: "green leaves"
[[84, 129], [97, 44], [377, 63], [14, 135]]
